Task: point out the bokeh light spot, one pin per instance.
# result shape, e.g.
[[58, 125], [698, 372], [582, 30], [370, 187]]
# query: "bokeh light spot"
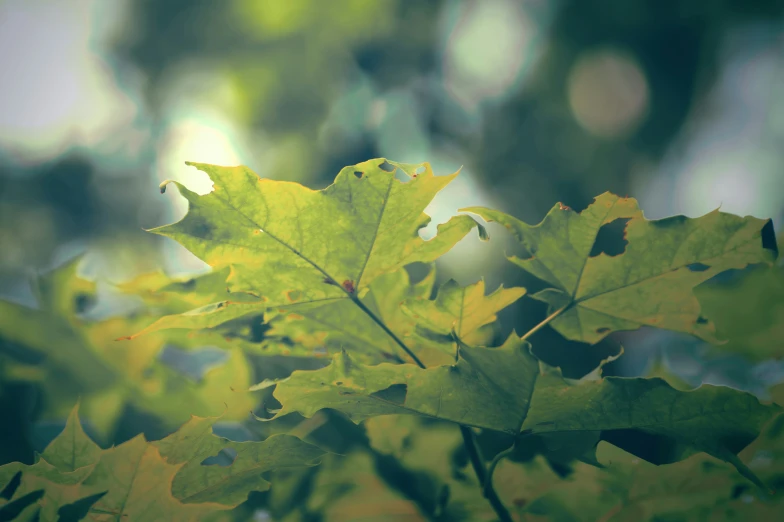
[[487, 50], [608, 93]]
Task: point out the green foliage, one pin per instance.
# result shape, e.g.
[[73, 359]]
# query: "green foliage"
[[81, 359], [504, 389], [317, 274], [139, 480], [748, 312], [650, 283]]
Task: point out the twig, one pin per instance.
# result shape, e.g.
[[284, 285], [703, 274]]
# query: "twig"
[[481, 473]]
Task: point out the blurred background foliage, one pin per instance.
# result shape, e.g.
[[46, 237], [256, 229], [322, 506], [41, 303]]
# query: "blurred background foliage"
[[677, 103]]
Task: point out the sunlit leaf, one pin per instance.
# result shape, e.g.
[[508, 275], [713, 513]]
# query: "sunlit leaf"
[[650, 283], [291, 246]]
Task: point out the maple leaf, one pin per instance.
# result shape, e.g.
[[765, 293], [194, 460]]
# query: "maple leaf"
[[650, 283], [292, 246], [698, 488], [506, 389], [465, 310], [406, 310], [163, 480]]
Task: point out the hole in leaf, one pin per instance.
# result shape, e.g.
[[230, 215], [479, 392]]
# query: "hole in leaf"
[[602, 330], [78, 510], [386, 166], [611, 239], [402, 176], [395, 394], [224, 458], [339, 383], [769, 237], [701, 320], [257, 331], [697, 267], [358, 174]]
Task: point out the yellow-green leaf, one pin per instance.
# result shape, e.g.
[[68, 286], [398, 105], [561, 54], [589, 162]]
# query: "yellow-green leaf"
[[164, 480], [650, 283], [464, 310], [290, 245]]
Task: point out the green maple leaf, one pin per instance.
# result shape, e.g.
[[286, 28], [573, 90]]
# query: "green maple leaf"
[[343, 324], [228, 485], [65, 462], [505, 389], [650, 283], [406, 309], [292, 246], [72, 449], [163, 480], [470, 392], [465, 310], [697, 488]]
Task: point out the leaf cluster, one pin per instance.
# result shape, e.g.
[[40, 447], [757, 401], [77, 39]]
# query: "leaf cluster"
[[456, 420]]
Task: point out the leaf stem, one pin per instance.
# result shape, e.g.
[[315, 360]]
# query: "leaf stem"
[[386, 329], [544, 322], [488, 485], [468, 436], [481, 473]]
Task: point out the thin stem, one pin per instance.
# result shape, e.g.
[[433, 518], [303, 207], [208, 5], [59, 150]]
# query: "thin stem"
[[468, 435], [481, 473], [489, 481], [544, 323], [386, 329]]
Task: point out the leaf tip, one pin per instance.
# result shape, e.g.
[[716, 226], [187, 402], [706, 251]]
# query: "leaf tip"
[[164, 184]]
